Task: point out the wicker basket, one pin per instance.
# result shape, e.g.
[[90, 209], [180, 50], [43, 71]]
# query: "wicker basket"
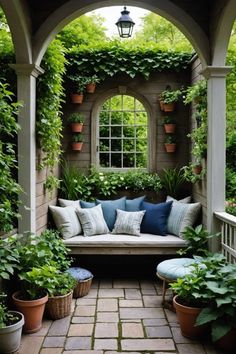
[[59, 306], [82, 288]]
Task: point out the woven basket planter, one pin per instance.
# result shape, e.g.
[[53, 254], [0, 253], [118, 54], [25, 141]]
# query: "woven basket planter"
[[59, 306], [82, 288]]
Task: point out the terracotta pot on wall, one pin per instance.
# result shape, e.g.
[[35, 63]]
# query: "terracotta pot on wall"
[[170, 147], [77, 98], [197, 169], [90, 88], [187, 317], [169, 107], [170, 128], [32, 310], [77, 146], [161, 106], [77, 127]]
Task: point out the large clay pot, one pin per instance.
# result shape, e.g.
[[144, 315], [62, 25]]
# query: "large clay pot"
[[32, 310], [187, 317], [10, 336], [77, 98]]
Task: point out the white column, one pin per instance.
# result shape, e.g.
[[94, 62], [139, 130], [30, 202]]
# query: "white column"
[[26, 92], [216, 106]]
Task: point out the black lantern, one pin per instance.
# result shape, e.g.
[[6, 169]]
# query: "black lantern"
[[125, 24]]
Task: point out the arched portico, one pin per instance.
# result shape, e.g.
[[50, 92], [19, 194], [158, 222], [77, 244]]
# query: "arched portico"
[[211, 48]]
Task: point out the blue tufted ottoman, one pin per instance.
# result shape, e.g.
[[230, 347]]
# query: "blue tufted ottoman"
[[171, 269], [84, 280]]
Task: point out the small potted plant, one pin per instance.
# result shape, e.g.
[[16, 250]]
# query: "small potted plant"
[[11, 323], [170, 143], [168, 98], [79, 84], [169, 124], [77, 142], [76, 121], [91, 83]]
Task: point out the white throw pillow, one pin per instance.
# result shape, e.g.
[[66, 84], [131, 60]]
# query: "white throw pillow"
[[186, 200], [92, 221], [67, 202], [66, 220], [128, 222]]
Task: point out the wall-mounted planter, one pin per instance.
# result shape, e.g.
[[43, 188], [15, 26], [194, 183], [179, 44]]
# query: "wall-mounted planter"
[[170, 128], [90, 88], [77, 127], [77, 146], [77, 98], [169, 107], [197, 169], [170, 147]]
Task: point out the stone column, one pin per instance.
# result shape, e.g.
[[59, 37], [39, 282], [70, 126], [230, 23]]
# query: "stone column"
[[216, 106], [26, 92]]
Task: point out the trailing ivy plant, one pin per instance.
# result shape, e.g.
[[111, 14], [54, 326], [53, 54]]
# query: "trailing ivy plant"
[[114, 57], [50, 98], [9, 188]]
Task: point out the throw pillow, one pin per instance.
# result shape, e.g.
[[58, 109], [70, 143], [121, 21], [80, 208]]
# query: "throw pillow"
[[66, 220], [155, 218], [67, 202], [92, 221], [128, 222], [184, 200], [134, 204], [109, 210], [85, 205], [181, 216]]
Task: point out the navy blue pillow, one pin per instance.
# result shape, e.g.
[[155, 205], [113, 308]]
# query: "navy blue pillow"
[[134, 204], [109, 210], [155, 218], [86, 205]]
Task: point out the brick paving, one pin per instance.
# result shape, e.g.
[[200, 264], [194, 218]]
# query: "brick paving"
[[117, 316]]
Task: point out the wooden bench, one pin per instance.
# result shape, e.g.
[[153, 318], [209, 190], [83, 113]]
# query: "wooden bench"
[[125, 244]]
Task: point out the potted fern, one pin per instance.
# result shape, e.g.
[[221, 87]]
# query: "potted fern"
[[11, 323], [76, 121]]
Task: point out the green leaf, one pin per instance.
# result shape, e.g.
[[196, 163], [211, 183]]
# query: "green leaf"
[[206, 315], [219, 329]]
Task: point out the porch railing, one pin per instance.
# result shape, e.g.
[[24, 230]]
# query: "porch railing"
[[228, 235]]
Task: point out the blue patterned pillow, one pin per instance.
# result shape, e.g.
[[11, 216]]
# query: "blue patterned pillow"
[[134, 204], [128, 222], [181, 216], [79, 273], [85, 205], [92, 221], [155, 218], [109, 210]]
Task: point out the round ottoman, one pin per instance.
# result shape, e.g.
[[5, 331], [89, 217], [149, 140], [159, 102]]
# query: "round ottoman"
[[84, 280], [171, 269]]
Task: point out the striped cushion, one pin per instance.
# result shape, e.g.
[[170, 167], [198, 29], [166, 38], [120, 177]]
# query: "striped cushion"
[[128, 222], [66, 221], [92, 221], [181, 216]]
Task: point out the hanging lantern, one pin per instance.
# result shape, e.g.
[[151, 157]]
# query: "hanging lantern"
[[125, 24]]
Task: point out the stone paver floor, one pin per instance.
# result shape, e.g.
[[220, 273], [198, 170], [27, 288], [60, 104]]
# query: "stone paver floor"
[[116, 316]]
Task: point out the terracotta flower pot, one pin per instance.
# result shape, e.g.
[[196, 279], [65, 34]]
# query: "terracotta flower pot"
[[59, 306], [161, 106], [77, 127], [32, 310], [77, 146], [169, 107], [90, 88], [170, 147], [187, 317], [77, 98], [170, 128], [197, 169]]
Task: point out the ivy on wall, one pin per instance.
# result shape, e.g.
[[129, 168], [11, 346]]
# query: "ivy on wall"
[[50, 95], [113, 58]]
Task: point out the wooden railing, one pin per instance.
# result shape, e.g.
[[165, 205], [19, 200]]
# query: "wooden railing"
[[228, 235]]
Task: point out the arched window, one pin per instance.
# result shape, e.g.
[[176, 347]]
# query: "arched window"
[[122, 137]]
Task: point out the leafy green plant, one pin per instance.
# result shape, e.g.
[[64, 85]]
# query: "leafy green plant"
[[172, 179], [192, 177], [46, 279], [231, 206], [52, 183], [77, 138], [78, 82], [170, 139], [169, 96], [9, 255], [76, 118], [197, 241], [196, 93], [94, 79], [7, 318], [169, 120]]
